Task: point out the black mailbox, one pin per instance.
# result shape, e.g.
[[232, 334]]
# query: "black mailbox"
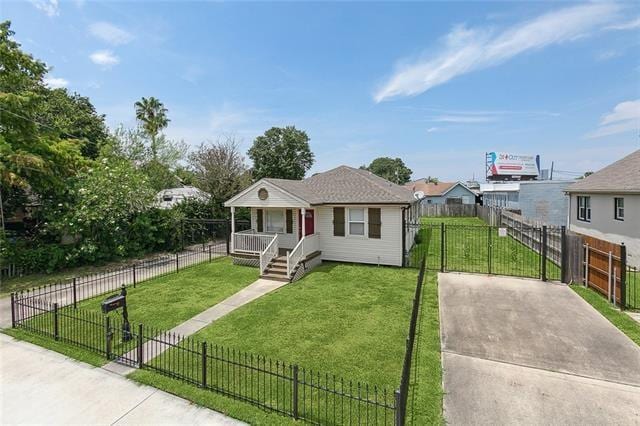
[[113, 302]]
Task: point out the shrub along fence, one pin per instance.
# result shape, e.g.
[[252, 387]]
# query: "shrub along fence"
[[288, 389]]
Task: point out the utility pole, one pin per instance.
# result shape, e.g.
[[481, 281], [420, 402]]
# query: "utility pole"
[[551, 172]]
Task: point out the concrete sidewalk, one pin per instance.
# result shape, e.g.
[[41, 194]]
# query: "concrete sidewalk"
[[49, 388], [521, 351], [151, 350]]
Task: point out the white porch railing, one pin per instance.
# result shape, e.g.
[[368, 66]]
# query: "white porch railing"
[[251, 242], [305, 246], [270, 252]]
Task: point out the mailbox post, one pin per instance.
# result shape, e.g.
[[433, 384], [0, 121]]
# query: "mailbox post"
[[117, 301]]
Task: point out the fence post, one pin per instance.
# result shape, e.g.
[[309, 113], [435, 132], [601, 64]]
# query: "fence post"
[[442, 241], [75, 296], [228, 235], [623, 277], [134, 275], [13, 310], [563, 255], [398, 402], [140, 346], [56, 331], [586, 265], [177, 262], [209, 254], [294, 402], [107, 334], [204, 365], [609, 280], [489, 249], [543, 251]]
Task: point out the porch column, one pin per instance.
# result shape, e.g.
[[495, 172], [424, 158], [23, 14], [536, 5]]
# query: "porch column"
[[302, 218], [233, 229]]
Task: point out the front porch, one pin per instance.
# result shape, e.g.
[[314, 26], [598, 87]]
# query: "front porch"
[[286, 250]]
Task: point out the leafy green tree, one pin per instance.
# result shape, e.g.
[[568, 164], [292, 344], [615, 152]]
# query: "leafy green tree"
[[281, 153], [392, 169], [104, 199], [72, 116], [219, 169], [152, 115], [32, 156]]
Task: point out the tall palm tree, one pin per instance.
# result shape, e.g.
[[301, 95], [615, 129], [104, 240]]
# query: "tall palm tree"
[[152, 115]]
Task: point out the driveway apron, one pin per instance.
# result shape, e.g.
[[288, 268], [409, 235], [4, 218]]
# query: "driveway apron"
[[525, 351]]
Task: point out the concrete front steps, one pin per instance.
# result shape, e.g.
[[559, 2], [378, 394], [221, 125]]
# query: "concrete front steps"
[[277, 268]]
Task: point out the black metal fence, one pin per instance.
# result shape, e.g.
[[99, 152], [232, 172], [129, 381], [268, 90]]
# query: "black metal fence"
[[70, 292], [402, 394], [482, 249], [288, 389]]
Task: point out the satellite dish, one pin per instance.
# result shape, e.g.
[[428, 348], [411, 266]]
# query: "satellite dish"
[[418, 195]]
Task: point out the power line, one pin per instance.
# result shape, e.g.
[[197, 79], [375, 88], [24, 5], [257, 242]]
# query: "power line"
[[39, 124]]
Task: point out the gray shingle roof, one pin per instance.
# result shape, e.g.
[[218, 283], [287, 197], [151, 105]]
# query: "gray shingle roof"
[[623, 176], [346, 185]]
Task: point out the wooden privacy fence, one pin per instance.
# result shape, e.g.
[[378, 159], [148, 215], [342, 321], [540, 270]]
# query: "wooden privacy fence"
[[605, 268], [448, 210]]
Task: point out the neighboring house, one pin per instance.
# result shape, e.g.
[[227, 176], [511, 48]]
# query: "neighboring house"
[[502, 195], [344, 214], [606, 205], [168, 198], [442, 192], [544, 201]]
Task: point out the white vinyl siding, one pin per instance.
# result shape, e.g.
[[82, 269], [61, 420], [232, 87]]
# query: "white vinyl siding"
[[386, 250], [276, 198], [286, 241]]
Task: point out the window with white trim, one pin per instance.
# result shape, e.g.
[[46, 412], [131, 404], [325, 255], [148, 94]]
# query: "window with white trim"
[[618, 205], [356, 221], [275, 220], [584, 208]]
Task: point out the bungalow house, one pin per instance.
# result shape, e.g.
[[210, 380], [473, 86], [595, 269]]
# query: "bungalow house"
[[344, 214], [442, 192], [606, 205]]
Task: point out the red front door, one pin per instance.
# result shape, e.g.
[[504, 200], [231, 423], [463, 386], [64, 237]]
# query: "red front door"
[[308, 223]]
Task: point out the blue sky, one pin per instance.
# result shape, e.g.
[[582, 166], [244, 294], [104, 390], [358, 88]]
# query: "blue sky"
[[437, 84]]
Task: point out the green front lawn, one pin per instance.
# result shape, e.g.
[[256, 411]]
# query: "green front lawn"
[[350, 321], [161, 303]]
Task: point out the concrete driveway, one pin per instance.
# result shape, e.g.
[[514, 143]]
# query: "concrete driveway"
[[529, 352], [43, 387]]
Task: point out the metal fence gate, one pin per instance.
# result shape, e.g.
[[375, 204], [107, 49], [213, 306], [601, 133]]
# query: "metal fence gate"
[[483, 249]]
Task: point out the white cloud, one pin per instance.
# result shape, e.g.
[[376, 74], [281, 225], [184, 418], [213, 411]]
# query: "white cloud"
[[624, 117], [226, 119], [106, 58], [466, 119], [432, 129], [110, 33], [629, 25], [466, 49], [49, 7], [55, 82], [193, 73]]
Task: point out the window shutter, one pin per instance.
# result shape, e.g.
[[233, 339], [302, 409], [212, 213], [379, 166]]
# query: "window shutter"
[[260, 220], [338, 221], [375, 224], [289, 221]]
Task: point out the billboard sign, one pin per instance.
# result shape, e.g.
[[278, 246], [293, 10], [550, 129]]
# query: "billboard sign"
[[507, 164]]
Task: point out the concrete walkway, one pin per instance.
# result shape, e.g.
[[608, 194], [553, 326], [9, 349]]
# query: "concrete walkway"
[[151, 350], [49, 388], [528, 352]]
